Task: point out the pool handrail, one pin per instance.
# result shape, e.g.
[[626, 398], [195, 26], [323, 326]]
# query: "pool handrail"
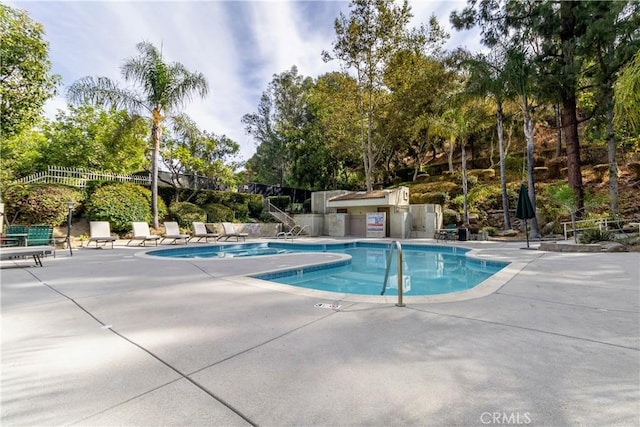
[[394, 244]]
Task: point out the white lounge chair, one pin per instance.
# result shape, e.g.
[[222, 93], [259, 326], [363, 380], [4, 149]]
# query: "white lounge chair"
[[36, 252], [100, 233], [200, 231], [172, 231], [141, 232], [230, 231]]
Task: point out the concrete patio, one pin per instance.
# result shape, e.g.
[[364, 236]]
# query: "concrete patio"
[[111, 337]]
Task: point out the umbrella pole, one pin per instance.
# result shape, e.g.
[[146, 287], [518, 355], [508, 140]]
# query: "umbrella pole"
[[526, 231]]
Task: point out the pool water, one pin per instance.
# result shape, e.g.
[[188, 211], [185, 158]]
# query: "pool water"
[[427, 270]]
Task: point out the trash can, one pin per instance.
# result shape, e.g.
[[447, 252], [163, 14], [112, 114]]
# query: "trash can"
[[463, 234]]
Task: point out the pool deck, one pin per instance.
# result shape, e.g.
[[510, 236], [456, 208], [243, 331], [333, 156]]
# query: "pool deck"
[[113, 337]]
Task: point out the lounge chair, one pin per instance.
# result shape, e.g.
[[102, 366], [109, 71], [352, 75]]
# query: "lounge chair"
[[230, 231], [100, 233], [200, 231], [141, 232], [25, 251], [172, 231]]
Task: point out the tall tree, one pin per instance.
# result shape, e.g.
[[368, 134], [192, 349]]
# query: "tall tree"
[[26, 81], [487, 77], [334, 113], [365, 41], [278, 126], [162, 89], [612, 38], [521, 75], [187, 150], [93, 138], [555, 28]]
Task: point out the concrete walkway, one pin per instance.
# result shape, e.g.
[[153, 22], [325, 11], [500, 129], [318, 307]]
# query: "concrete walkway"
[[109, 337]]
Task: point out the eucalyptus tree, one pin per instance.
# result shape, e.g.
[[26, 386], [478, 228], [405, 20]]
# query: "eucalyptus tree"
[[487, 77], [365, 41], [187, 150], [334, 115], [162, 88], [26, 81], [420, 83], [278, 126]]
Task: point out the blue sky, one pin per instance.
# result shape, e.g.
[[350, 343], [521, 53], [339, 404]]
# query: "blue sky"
[[237, 45]]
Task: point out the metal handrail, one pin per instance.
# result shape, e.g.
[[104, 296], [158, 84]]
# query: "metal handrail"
[[282, 215], [398, 247]]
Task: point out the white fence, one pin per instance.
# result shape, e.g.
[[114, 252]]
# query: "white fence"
[[79, 177]]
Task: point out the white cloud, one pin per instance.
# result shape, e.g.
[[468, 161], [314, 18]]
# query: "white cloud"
[[238, 46]]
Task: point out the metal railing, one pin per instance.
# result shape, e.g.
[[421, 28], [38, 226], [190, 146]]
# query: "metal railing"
[[602, 224], [280, 215], [398, 247], [79, 177]]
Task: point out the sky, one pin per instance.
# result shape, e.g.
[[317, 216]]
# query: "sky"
[[237, 45]]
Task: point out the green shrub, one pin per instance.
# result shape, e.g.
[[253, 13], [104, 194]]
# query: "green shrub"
[[267, 217], [255, 204], [40, 203], [483, 174], [449, 216], [594, 235], [185, 213], [436, 198], [491, 231], [241, 212], [122, 203], [218, 213]]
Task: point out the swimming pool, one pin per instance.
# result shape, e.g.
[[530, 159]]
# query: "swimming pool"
[[427, 270]]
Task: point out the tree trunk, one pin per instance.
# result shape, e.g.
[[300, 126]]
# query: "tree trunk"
[[528, 132], [556, 110], [503, 169], [611, 151], [452, 144], [572, 143], [465, 206], [369, 153], [156, 135], [568, 94]]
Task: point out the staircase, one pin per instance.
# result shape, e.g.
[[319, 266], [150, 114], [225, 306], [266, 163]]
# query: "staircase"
[[287, 222]]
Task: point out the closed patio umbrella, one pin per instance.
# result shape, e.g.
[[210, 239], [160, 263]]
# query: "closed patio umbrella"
[[524, 209]]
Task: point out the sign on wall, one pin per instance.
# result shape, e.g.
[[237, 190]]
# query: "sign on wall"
[[376, 224]]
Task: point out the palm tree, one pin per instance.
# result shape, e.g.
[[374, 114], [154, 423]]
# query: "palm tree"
[[163, 88]]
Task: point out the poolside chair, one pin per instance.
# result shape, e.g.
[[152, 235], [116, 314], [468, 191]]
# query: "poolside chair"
[[141, 232], [172, 231], [100, 233], [16, 235], [230, 231], [200, 231]]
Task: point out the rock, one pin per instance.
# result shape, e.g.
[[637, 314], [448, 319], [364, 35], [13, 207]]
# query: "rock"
[[547, 229], [508, 233], [612, 247]]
